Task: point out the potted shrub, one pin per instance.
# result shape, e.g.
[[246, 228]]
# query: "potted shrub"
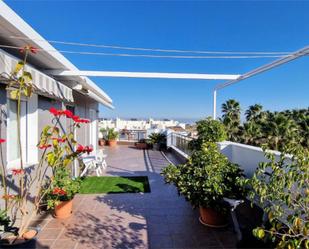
[[204, 180], [281, 188], [61, 193], [143, 144], [158, 140], [111, 137], [208, 130]]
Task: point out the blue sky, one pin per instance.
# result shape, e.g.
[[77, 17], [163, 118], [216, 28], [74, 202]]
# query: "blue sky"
[[188, 25]]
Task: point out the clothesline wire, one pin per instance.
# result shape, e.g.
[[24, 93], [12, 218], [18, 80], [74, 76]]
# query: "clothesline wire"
[[154, 56], [149, 49]]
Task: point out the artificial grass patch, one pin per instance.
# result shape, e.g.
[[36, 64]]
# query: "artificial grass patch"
[[114, 184]]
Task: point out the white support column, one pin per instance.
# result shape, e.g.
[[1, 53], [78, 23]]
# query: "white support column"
[[214, 113]]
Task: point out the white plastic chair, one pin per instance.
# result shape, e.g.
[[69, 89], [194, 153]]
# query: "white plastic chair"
[[96, 163], [100, 160]]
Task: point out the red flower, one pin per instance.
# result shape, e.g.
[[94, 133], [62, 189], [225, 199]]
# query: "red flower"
[[44, 146], [2, 140], [59, 191], [83, 120], [84, 149], [33, 50], [6, 197], [88, 149], [54, 111], [17, 171], [60, 140], [68, 114], [80, 148], [77, 119]]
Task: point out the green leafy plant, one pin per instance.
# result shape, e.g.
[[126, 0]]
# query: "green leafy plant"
[[62, 187], [112, 134], [157, 138], [281, 188], [208, 130], [4, 220], [206, 178]]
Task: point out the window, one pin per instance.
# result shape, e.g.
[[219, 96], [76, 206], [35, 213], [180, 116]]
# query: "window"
[[13, 152], [28, 129]]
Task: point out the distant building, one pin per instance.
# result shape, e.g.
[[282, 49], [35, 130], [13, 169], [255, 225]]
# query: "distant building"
[[135, 124]]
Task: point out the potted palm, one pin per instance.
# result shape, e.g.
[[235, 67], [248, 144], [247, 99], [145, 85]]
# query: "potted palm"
[[205, 180], [158, 140], [111, 137], [61, 193]]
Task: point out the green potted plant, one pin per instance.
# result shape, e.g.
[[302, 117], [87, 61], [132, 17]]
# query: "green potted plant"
[[61, 192], [111, 137], [205, 180], [281, 188], [158, 140]]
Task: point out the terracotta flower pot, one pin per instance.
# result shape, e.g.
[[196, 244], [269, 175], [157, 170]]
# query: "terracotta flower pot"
[[64, 209], [112, 143], [212, 218], [30, 234], [101, 142]]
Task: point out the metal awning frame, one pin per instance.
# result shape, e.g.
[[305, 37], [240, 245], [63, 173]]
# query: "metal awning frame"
[[293, 56]]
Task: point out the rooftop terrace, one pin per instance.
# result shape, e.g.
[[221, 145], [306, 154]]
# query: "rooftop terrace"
[[160, 219]]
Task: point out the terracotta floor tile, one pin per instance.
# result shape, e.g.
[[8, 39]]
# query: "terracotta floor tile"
[[160, 241], [160, 219], [64, 244], [49, 233]]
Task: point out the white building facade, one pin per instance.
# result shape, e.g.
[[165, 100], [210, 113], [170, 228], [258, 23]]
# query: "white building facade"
[[134, 124]]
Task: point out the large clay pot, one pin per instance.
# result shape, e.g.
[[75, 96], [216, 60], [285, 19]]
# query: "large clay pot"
[[64, 209], [112, 143], [212, 218]]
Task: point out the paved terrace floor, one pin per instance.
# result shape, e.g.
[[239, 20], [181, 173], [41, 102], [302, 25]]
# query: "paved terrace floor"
[[160, 219]]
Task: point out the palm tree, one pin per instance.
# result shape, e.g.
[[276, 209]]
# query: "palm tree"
[[253, 112], [231, 118], [280, 131], [251, 133], [231, 109]]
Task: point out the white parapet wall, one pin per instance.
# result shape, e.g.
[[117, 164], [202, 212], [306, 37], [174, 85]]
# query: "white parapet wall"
[[246, 156]]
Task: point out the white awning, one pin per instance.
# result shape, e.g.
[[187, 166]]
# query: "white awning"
[[43, 84]]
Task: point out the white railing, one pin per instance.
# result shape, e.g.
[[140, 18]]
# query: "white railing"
[[246, 156], [179, 143]]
